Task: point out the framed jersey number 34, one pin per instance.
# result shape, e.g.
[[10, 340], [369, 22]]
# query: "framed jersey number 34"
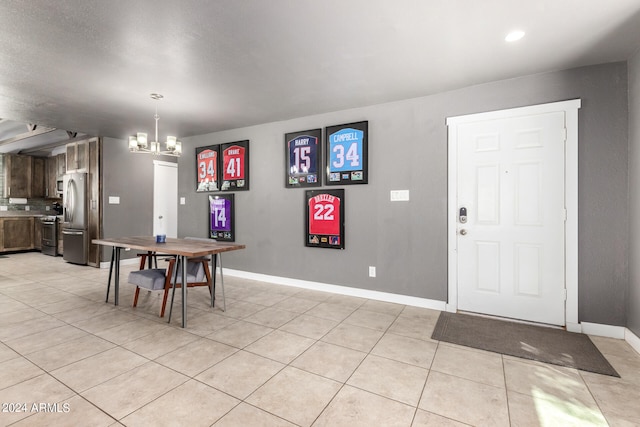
[[324, 213], [347, 153]]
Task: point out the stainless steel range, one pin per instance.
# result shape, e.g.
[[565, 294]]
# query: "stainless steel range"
[[49, 235]]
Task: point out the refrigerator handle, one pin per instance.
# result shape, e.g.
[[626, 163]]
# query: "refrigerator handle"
[[69, 201]]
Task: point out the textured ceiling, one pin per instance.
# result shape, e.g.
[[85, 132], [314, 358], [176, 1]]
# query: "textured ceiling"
[[89, 66]]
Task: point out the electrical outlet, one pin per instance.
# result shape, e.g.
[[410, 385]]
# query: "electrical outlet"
[[372, 271]]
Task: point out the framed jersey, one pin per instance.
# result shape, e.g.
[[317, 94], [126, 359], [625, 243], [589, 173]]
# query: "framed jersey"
[[347, 153], [222, 217], [324, 213], [303, 158], [207, 168], [235, 166]]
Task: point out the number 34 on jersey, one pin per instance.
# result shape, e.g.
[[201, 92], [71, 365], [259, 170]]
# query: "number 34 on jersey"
[[347, 148]]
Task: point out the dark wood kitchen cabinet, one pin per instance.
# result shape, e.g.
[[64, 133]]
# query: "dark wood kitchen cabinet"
[[77, 157], [37, 234], [38, 174], [52, 177], [54, 172], [17, 175], [61, 160], [17, 233]]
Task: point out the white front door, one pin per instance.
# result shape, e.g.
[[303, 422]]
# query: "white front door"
[[165, 198], [511, 248]]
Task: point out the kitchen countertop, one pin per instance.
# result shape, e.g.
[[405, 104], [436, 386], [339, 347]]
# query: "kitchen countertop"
[[13, 214]]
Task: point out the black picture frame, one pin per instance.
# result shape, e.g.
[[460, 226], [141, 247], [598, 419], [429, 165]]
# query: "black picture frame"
[[324, 218], [207, 168], [347, 153], [222, 217], [303, 158], [234, 166]]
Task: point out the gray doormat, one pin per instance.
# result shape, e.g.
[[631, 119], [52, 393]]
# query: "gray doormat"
[[548, 345]]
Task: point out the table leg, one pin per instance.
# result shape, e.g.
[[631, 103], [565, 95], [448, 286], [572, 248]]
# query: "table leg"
[[224, 300], [184, 291], [117, 278], [173, 286], [113, 258], [213, 279]]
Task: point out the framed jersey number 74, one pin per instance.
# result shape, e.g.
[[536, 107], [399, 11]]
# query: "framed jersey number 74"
[[347, 154]]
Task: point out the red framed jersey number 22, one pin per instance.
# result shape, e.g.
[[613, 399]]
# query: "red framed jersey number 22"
[[325, 218]]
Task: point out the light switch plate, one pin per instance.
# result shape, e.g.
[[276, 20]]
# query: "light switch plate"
[[183, 201], [399, 195]]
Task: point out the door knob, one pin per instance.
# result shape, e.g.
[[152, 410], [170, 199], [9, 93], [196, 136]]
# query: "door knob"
[[463, 232]]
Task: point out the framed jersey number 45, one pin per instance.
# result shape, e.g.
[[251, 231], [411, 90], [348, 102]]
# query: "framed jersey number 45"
[[347, 153]]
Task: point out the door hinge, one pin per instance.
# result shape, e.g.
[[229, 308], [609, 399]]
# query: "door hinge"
[[564, 134], [565, 294]]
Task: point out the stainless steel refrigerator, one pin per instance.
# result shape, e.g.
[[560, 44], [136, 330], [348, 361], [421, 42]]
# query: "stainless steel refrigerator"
[[75, 235]]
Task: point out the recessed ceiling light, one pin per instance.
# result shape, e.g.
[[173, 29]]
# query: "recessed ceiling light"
[[514, 36]]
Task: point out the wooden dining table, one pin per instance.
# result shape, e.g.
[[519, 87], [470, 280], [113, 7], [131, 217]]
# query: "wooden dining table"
[[181, 248]]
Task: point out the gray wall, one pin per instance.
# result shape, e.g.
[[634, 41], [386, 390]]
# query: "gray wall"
[[408, 150], [130, 177], [633, 307]]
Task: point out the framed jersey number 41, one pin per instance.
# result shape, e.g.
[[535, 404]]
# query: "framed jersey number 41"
[[324, 213], [234, 167], [347, 154]]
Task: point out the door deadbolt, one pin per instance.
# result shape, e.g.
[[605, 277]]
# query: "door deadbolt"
[[462, 217]]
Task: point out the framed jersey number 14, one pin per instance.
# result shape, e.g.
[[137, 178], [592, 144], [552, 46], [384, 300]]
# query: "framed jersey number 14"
[[222, 218], [347, 153], [324, 213]]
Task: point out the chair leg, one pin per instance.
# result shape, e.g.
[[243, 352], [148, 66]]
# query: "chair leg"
[[207, 273], [167, 285], [135, 297]]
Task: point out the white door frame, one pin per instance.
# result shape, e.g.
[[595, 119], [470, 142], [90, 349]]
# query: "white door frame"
[[570, 108], [160, 167]]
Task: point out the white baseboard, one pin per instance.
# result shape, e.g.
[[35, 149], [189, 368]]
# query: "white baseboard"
[[342, 290], [632, 339], [127, 261], [600, 330]]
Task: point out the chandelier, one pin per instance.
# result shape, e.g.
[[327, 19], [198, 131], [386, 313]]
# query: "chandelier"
[[139, 143]]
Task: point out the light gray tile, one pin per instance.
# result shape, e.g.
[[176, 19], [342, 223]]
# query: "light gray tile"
[[405, 349], [331, 361], [295, 395], [193, 403], [280, 346], [355, 337], [240, 374], [128, 392], [388, 378], [465, 401], [358, 408]]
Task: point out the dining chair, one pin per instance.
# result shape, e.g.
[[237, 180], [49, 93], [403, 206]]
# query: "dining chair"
[[162, 279]]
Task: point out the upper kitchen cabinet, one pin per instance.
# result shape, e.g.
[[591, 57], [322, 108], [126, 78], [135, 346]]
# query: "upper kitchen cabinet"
[[17, 175], [38, 174], [61, 161], [77, 157], [55, 167]]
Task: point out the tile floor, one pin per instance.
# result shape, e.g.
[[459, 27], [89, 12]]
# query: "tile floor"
[[279, 356]]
